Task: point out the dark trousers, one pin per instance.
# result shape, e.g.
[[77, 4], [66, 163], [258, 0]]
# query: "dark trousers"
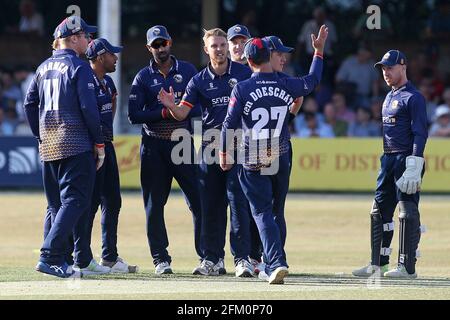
[[107, 195], [157, 173], [387, 195], [267, 197], [218, 189], [68, 185]]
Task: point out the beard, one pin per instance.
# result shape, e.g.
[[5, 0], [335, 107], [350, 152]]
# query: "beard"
[[163, 57]]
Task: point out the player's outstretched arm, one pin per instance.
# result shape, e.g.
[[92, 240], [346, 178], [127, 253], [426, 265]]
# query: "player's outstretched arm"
[[136, 103], [178, 112]]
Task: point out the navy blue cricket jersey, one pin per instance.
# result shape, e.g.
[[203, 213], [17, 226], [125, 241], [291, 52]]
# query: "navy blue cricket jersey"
[[213, 92], [105, 90], [260, 106], [405, 121], [144, 106], [61, 107]]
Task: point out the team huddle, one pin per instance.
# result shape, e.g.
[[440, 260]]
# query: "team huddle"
[[246, 103]]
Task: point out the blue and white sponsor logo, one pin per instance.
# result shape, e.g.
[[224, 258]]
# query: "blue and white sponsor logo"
[[23, 160]]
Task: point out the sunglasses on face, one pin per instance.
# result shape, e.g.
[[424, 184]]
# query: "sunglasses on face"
[[159, 44]]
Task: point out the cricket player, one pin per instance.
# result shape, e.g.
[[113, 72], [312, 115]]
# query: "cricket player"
[[211, 88], [261, 106], [157, 167], [62, 111], [237, 35], [402, 167], [102, 57]]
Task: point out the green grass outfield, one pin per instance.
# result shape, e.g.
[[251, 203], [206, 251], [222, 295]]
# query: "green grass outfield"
[[328, 236]]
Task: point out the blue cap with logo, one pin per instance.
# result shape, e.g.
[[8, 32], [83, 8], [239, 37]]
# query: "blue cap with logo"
[[238, 30], [157, 32], [255, 49], [275, 44], [391, 58], [100, 46], [72, 25]]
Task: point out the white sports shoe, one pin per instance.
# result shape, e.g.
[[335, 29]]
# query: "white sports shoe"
[[206, 268], [163, 268], [119, 266], [400, 272], [257, 266], [220, 267], [370, 270], [262, 275], [93, 269], [244, 269], [277, 277]]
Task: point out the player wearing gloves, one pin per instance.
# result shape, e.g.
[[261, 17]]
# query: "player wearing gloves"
[[402, 168]]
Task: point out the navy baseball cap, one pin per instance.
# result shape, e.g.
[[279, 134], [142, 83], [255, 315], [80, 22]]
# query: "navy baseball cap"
[[256, 49], [238, 31], [275, 44], [157, 32], [71, 26], [391, 58], [100, 46]]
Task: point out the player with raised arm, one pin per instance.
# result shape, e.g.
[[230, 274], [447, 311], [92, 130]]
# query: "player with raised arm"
[[260, 106]]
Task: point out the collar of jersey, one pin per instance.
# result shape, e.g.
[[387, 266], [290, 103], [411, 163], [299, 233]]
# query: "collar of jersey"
[[211, 73], [61, 52], [395, 91], [265, 74], [154, 69]]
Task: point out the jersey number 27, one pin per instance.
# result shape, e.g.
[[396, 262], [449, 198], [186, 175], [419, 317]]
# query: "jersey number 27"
[[260, 130]]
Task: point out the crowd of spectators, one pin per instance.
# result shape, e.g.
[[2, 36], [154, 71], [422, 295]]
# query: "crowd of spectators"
[[348, 102]]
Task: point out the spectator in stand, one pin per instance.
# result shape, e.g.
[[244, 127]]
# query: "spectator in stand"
[[446, 96], [310, 105], [1, 121], [304, 51], [31, 21], [11, 96], [363, 126], [314, 128], [441, 126], [339, 127], [342, 111], [22, 77], [438, 27], [426, 89], [358, 70], [376, 108]]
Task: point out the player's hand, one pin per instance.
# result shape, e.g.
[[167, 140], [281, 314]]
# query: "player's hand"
[[99, 151], [411, 179], [224, 164], [167, 98], [318, 42]]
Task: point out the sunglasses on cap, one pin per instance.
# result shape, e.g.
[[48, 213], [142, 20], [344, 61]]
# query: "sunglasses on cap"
[[159, 44]]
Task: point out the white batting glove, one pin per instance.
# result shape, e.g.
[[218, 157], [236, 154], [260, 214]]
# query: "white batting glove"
[[411, 179], [100, 155]]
